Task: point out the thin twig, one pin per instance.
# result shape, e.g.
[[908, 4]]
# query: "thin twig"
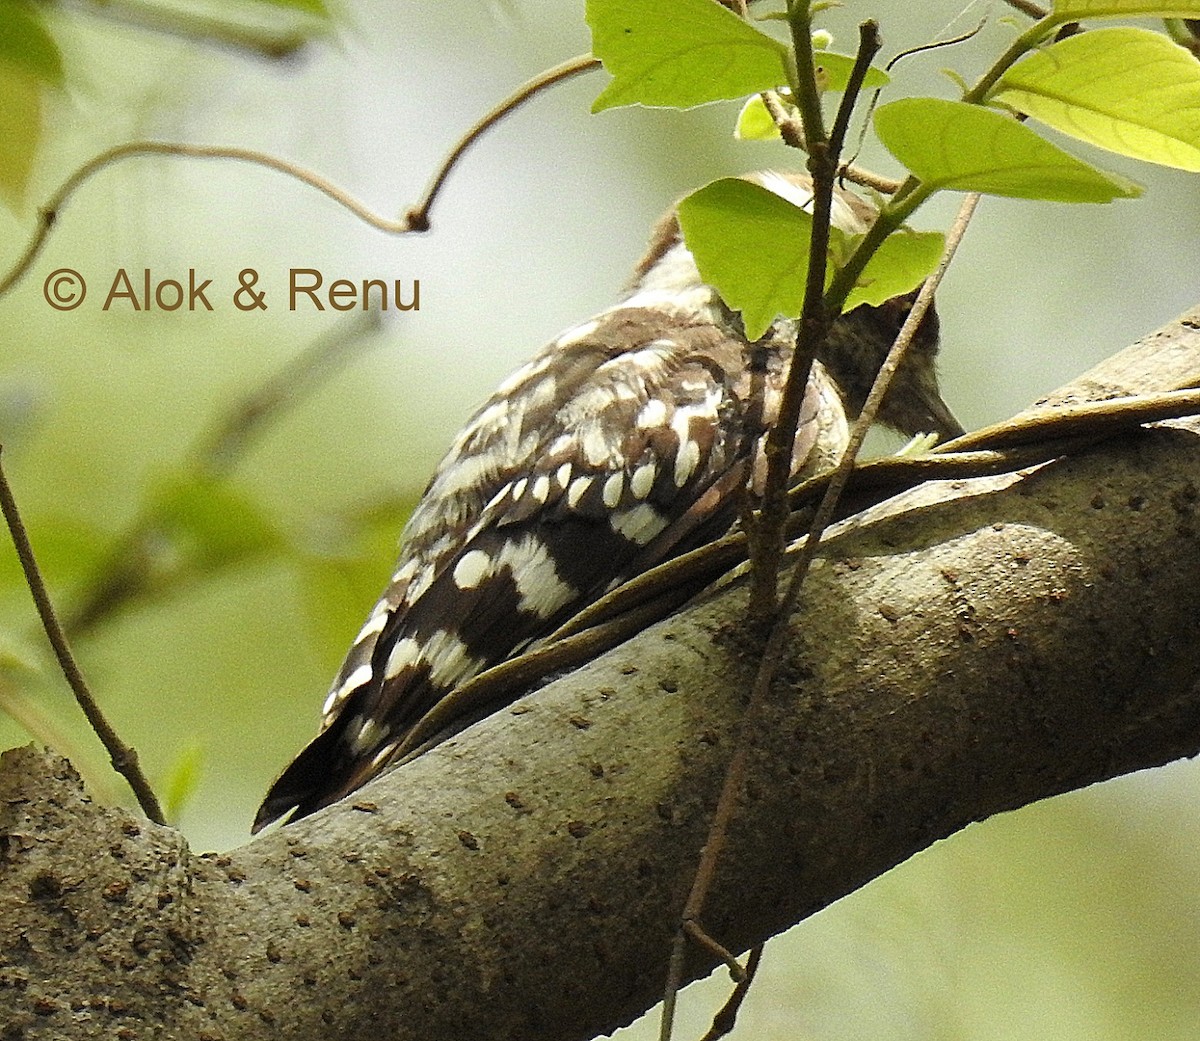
[[790, 127], [1084, 419], [725, 956], [935, 45], [1026, 7], [908, 53], [766, 528], [189, 25], [735, 773], [766, 535], [124, 758], [48, 214], [415, 219], [815, 320], [869, 44], [725, 1020], [879, 388], [792, 133]]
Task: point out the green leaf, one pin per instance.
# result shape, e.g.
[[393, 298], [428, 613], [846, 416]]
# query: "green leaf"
[[680, 53], [336, 595], [210, 523], [1130, 91], [339, 580], [904, 260], [26, 43], [950, 144], [1077, 10], [20, 133], [68, 551], [833, 72], [754, 122], [18, 654], [316, 8], [752, 246], [29, 61], [181, 781]]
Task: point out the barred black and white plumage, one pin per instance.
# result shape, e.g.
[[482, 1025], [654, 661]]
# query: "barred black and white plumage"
[[627, 440]]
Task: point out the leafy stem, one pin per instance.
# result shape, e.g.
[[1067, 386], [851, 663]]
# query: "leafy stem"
[[1024, 43], [912, 193], [804, 90], [814, 321]]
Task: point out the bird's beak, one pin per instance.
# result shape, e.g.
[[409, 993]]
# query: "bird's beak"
[[937, 418]]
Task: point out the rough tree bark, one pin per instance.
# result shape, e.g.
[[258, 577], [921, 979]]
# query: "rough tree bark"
[[991, 644]]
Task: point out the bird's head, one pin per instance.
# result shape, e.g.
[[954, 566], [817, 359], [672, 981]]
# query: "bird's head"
[[859, 340]]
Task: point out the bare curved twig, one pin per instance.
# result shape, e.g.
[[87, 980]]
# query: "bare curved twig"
[[124, 758], [731, 788], [418, 216], [415, 219]]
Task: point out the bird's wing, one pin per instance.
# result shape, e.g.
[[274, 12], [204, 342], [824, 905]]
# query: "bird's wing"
[[626, 441]]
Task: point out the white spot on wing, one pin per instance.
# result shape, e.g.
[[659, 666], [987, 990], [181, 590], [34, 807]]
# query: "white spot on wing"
[[688, 454], [580, 332], [639, 524], [404, 573], [542, 394], [541, 488], [579, 486], [471, 569], [526, 372], [405, 653], [384, 754], [686, 461], [496, 499], [356, 679], [539, 589], [419, 584], [681, 424], [595, 445], [465, 473], [449, 660], [643, 480], [374, 624], [369, 733], [490, 418], [652, 357], [653, 414], [564, 475], [613, 488]]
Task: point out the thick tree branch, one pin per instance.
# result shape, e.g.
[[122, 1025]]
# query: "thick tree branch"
[[969, 650]]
